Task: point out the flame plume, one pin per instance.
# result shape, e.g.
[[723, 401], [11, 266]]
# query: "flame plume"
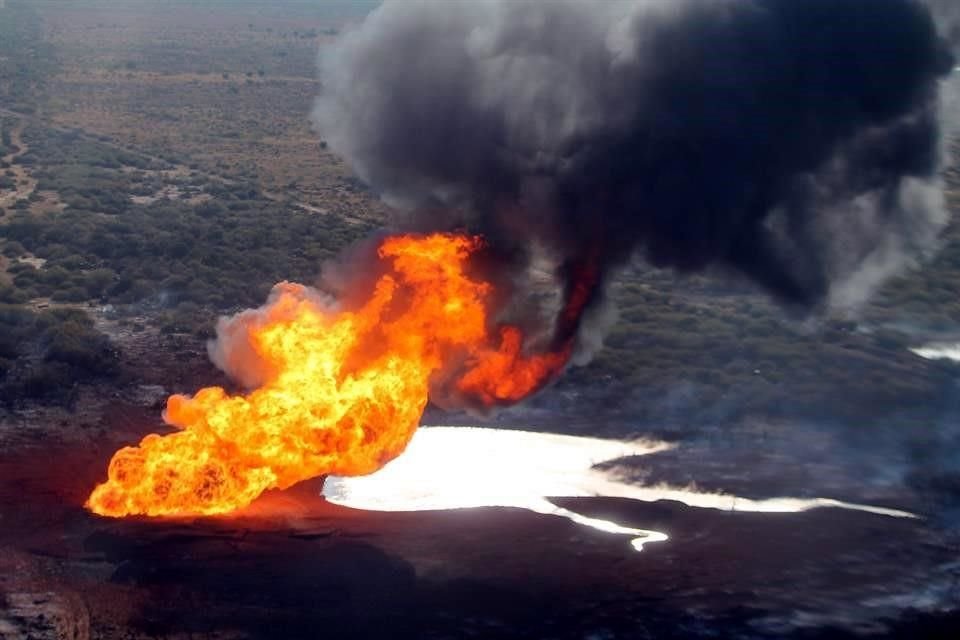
[[341, 391]]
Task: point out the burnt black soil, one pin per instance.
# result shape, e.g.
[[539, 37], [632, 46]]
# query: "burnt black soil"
[[294, 566]]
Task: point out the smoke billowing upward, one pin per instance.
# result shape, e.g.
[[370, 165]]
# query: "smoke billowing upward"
[[794, 143]]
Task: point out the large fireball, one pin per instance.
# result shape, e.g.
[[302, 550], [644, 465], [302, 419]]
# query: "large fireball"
[[341, 391]]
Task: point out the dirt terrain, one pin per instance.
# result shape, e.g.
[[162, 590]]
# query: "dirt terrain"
[[293, 566], [228, 90]]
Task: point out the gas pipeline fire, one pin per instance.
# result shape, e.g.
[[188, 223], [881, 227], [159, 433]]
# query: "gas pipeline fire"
[[727, 137], [341, 389]]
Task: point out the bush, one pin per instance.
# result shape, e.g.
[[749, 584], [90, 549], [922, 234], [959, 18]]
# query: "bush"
[[74, 294], [48, 379], [13, 249], [46, 354]]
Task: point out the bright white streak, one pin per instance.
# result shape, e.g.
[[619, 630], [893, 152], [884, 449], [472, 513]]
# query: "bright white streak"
[[939, 351], [462, 467]]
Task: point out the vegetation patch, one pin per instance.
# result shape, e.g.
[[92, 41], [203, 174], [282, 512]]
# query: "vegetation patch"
[[44, 354]]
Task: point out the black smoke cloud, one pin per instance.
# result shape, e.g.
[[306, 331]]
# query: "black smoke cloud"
[[793, 142]]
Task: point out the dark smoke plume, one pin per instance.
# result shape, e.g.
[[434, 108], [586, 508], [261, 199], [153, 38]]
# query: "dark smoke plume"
[[795, 142]]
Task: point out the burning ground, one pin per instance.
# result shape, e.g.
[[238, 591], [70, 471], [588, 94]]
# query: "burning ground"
[[336, 390]]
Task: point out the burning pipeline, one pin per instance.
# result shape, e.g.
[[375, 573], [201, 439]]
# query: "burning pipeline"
[[341, 390]]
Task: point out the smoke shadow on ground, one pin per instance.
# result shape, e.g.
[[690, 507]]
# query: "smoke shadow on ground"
[[503, 573], [310, 569], [260, 586]]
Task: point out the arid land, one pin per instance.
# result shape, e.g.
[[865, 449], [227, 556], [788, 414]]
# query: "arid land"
[[158, 169]]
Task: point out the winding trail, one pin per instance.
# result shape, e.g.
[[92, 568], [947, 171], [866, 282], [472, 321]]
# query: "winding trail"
[[25, 183]]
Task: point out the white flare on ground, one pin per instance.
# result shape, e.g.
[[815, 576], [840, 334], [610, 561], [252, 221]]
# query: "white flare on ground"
[[463, 467]]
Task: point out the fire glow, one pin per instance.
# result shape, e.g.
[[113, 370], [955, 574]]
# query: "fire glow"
[[341, 391]]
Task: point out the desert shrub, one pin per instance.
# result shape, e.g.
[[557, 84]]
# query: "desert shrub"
[[47, 379], [13, 249], [72, 294], [45, 354], [223, 253]]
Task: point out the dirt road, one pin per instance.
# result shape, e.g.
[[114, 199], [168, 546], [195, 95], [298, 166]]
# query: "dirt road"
[[25, 183]]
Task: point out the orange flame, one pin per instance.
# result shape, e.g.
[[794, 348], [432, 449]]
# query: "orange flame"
[[341, 392]]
